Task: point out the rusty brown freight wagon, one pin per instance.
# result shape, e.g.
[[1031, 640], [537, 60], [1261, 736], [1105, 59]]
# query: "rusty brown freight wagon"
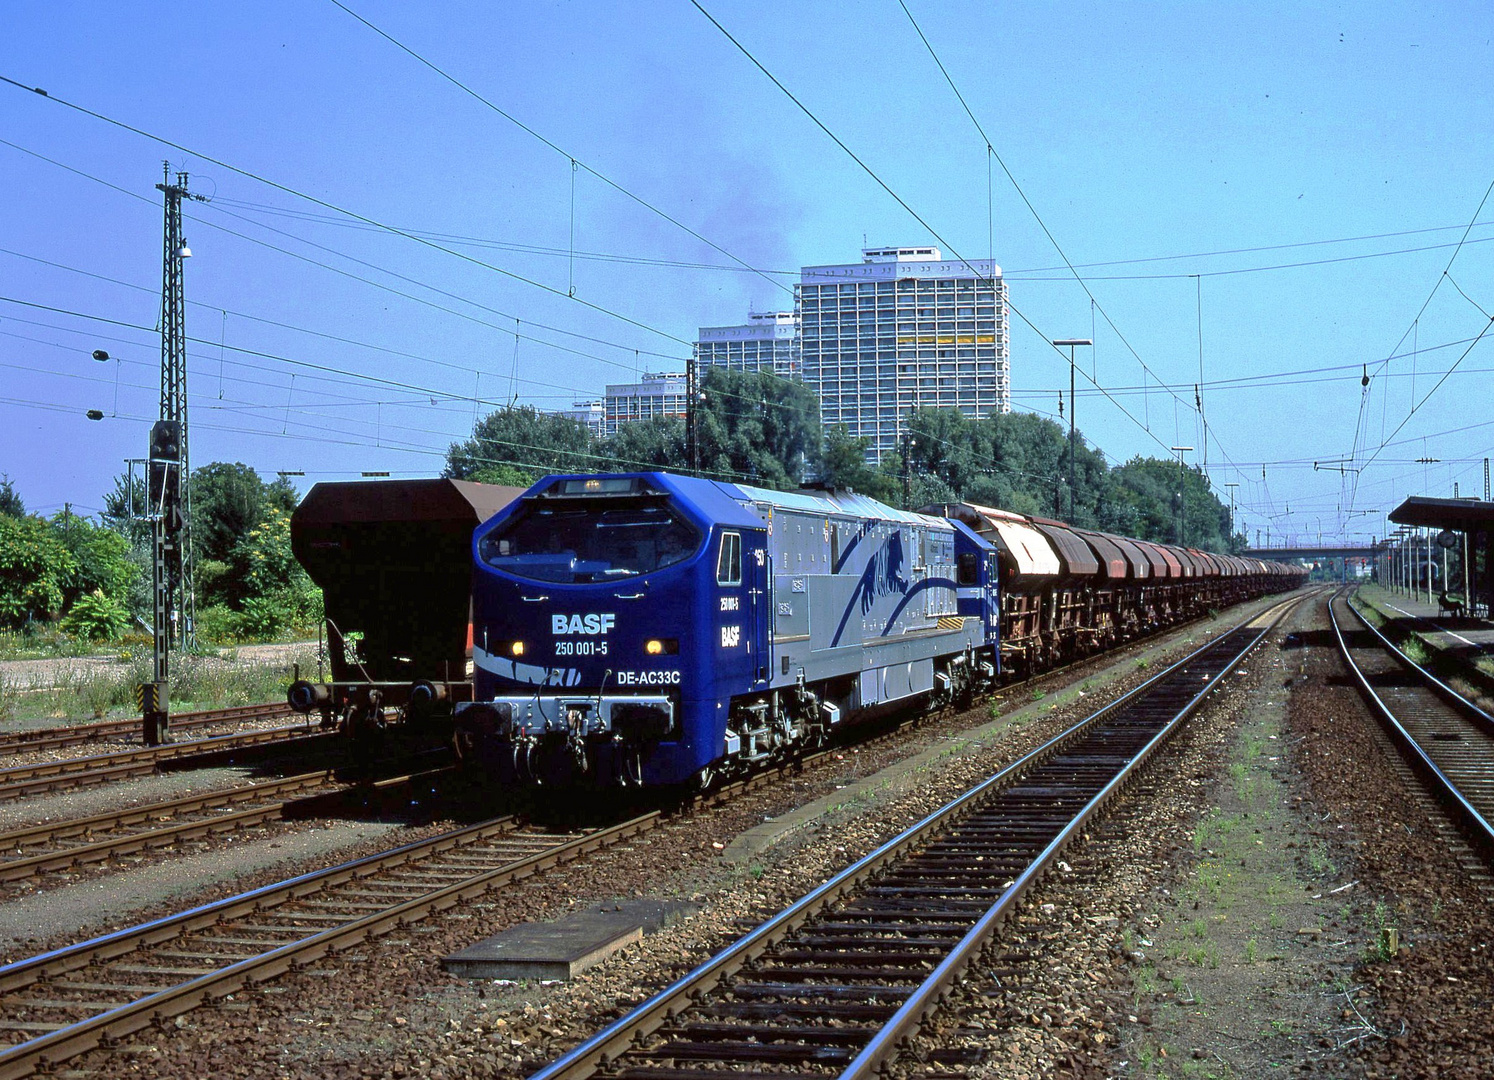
[[394, 561]]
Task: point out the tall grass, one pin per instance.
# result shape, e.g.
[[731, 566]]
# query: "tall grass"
[[9, 700], [196, 682]]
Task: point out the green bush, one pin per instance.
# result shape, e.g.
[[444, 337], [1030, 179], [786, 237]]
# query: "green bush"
[[216, 625], [263, 617], [97, 617], [35, 568]]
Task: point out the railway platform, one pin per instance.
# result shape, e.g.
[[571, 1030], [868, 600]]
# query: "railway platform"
[[1469, 633], [1463, 644]]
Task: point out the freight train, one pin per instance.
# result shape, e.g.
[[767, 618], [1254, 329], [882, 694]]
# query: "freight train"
[[646, 629]]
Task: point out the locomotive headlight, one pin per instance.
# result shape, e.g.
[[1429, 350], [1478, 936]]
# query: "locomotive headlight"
[[654, 648], [517, 648], [661, 646]]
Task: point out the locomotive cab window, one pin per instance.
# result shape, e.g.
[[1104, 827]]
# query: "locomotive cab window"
[[968, 572], [729, 562], [583, 544]]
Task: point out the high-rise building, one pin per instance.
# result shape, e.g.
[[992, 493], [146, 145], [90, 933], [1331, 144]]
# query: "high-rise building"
[[768, 342], [901, 329], [657, 395], [591, 413]]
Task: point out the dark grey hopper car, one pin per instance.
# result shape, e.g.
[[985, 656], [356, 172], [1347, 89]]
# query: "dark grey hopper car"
[[394, 561]]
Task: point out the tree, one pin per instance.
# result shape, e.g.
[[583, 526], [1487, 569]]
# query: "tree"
[[655, 443], [35, 567], [278, 592], [101, 560], [518, 445], [125, 510], [10, 499], [1152, 486], [756, 428], [843, 466], [228, 499]]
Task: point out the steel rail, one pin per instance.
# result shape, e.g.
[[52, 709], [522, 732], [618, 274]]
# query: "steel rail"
[[606, 1047], [273, 805], [1448, 705], [18, 839], [23, 742], [22, 780], [109, 1026]]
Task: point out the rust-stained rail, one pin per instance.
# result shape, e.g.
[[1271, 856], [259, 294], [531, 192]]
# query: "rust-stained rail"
[[232, 950], [23, 742], [61, 845], [218, 948], [24, 780]]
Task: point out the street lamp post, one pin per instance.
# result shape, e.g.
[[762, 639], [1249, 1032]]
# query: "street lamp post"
[[1180, 451], [1071, 343]]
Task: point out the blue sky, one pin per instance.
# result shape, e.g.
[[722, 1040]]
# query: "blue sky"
[[1346, 145]]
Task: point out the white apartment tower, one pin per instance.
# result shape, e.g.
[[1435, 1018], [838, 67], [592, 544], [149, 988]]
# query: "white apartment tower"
[[901, 329], [661, 394], [591, 413], [769, 341]]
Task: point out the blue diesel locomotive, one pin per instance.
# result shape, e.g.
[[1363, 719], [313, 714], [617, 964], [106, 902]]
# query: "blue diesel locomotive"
[[654, 629]]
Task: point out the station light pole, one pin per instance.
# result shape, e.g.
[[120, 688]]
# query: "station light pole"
[[1072, 343], [1180, 451]]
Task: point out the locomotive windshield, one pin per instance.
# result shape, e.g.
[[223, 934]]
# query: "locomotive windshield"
[[575, 545]]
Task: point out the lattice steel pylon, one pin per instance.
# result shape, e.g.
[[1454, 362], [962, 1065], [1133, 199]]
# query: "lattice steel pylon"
[[174, 390], [169, 472]]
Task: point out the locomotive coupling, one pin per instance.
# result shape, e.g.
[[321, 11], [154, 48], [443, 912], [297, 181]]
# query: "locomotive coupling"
[[426, 693], [304, 696]]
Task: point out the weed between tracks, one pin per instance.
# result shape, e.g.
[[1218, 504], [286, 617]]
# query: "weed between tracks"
[[1246, 928]]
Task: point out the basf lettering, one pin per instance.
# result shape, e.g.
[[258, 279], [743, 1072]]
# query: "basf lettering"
[[593, 624]]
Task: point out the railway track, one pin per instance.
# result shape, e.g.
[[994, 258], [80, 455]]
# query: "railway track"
[[24, 742], [22, 780], [62, 845], [74, 999], [1446, 739], [840, 979], [134, 978], [126, 981]]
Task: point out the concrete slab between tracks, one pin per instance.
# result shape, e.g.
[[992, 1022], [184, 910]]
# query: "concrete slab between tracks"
[[568, 946], [896, 778]]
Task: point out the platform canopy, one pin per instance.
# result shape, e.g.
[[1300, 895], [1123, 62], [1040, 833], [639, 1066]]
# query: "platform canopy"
[[1459, 515]]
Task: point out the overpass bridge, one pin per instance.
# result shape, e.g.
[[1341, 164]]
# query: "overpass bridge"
[[1315, 551]]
